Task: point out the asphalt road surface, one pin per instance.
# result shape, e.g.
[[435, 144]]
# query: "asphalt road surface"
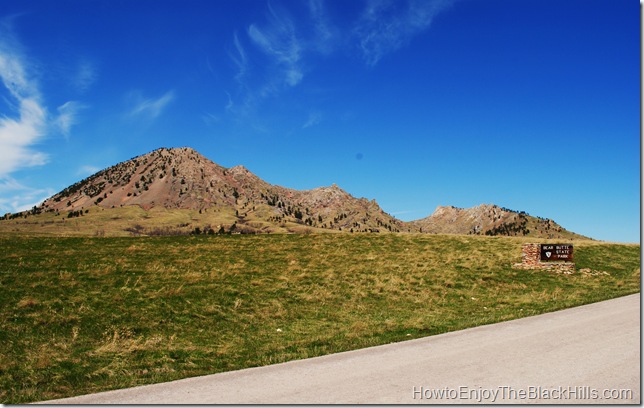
[[587, 354]]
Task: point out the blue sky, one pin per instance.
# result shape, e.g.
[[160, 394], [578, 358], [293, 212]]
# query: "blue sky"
[[530, 105]]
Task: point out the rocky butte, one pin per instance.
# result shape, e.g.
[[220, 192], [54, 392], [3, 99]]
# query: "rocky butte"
[[203, 196]]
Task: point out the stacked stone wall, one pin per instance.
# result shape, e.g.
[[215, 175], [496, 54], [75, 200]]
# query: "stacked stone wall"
[[531, 259]]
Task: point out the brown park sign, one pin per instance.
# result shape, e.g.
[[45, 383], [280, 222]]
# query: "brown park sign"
[[556, 252]]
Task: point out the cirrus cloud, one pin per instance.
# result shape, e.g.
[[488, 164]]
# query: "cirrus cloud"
[[387, 25], [85, 76], [26, 127], [26, 122], [68, 116], [16, 197], [148, 108], [286, 44], [280, 43]]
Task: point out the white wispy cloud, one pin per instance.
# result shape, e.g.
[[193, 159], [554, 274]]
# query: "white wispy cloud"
[[240, 59], [68, 116], [149, 108], [26, 121], [313, 119], [26, 127], [280, 43], [230, 104], [17, 136], [387, 25], [267, 60], [326, 34], [380, 28], [85, 76], [402, 212], [210, 118], [88, 170], [16, 197], [274, 55]]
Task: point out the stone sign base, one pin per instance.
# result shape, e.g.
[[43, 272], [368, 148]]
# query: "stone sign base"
[[531, 259]]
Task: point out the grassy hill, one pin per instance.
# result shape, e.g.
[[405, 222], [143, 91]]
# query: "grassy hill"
[[133, 220], [88, 314]]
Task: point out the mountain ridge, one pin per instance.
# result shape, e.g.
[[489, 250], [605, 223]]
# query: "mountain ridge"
[[490, 219], [237, 199]]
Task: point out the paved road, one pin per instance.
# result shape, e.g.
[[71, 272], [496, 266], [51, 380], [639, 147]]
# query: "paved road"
[[570, 356]]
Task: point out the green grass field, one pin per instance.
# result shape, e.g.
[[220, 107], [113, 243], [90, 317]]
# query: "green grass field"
[[82, 315]]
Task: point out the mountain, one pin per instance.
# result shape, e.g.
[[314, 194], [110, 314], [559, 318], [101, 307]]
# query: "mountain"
[[181, 178], [488, 219], [178, 191]]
